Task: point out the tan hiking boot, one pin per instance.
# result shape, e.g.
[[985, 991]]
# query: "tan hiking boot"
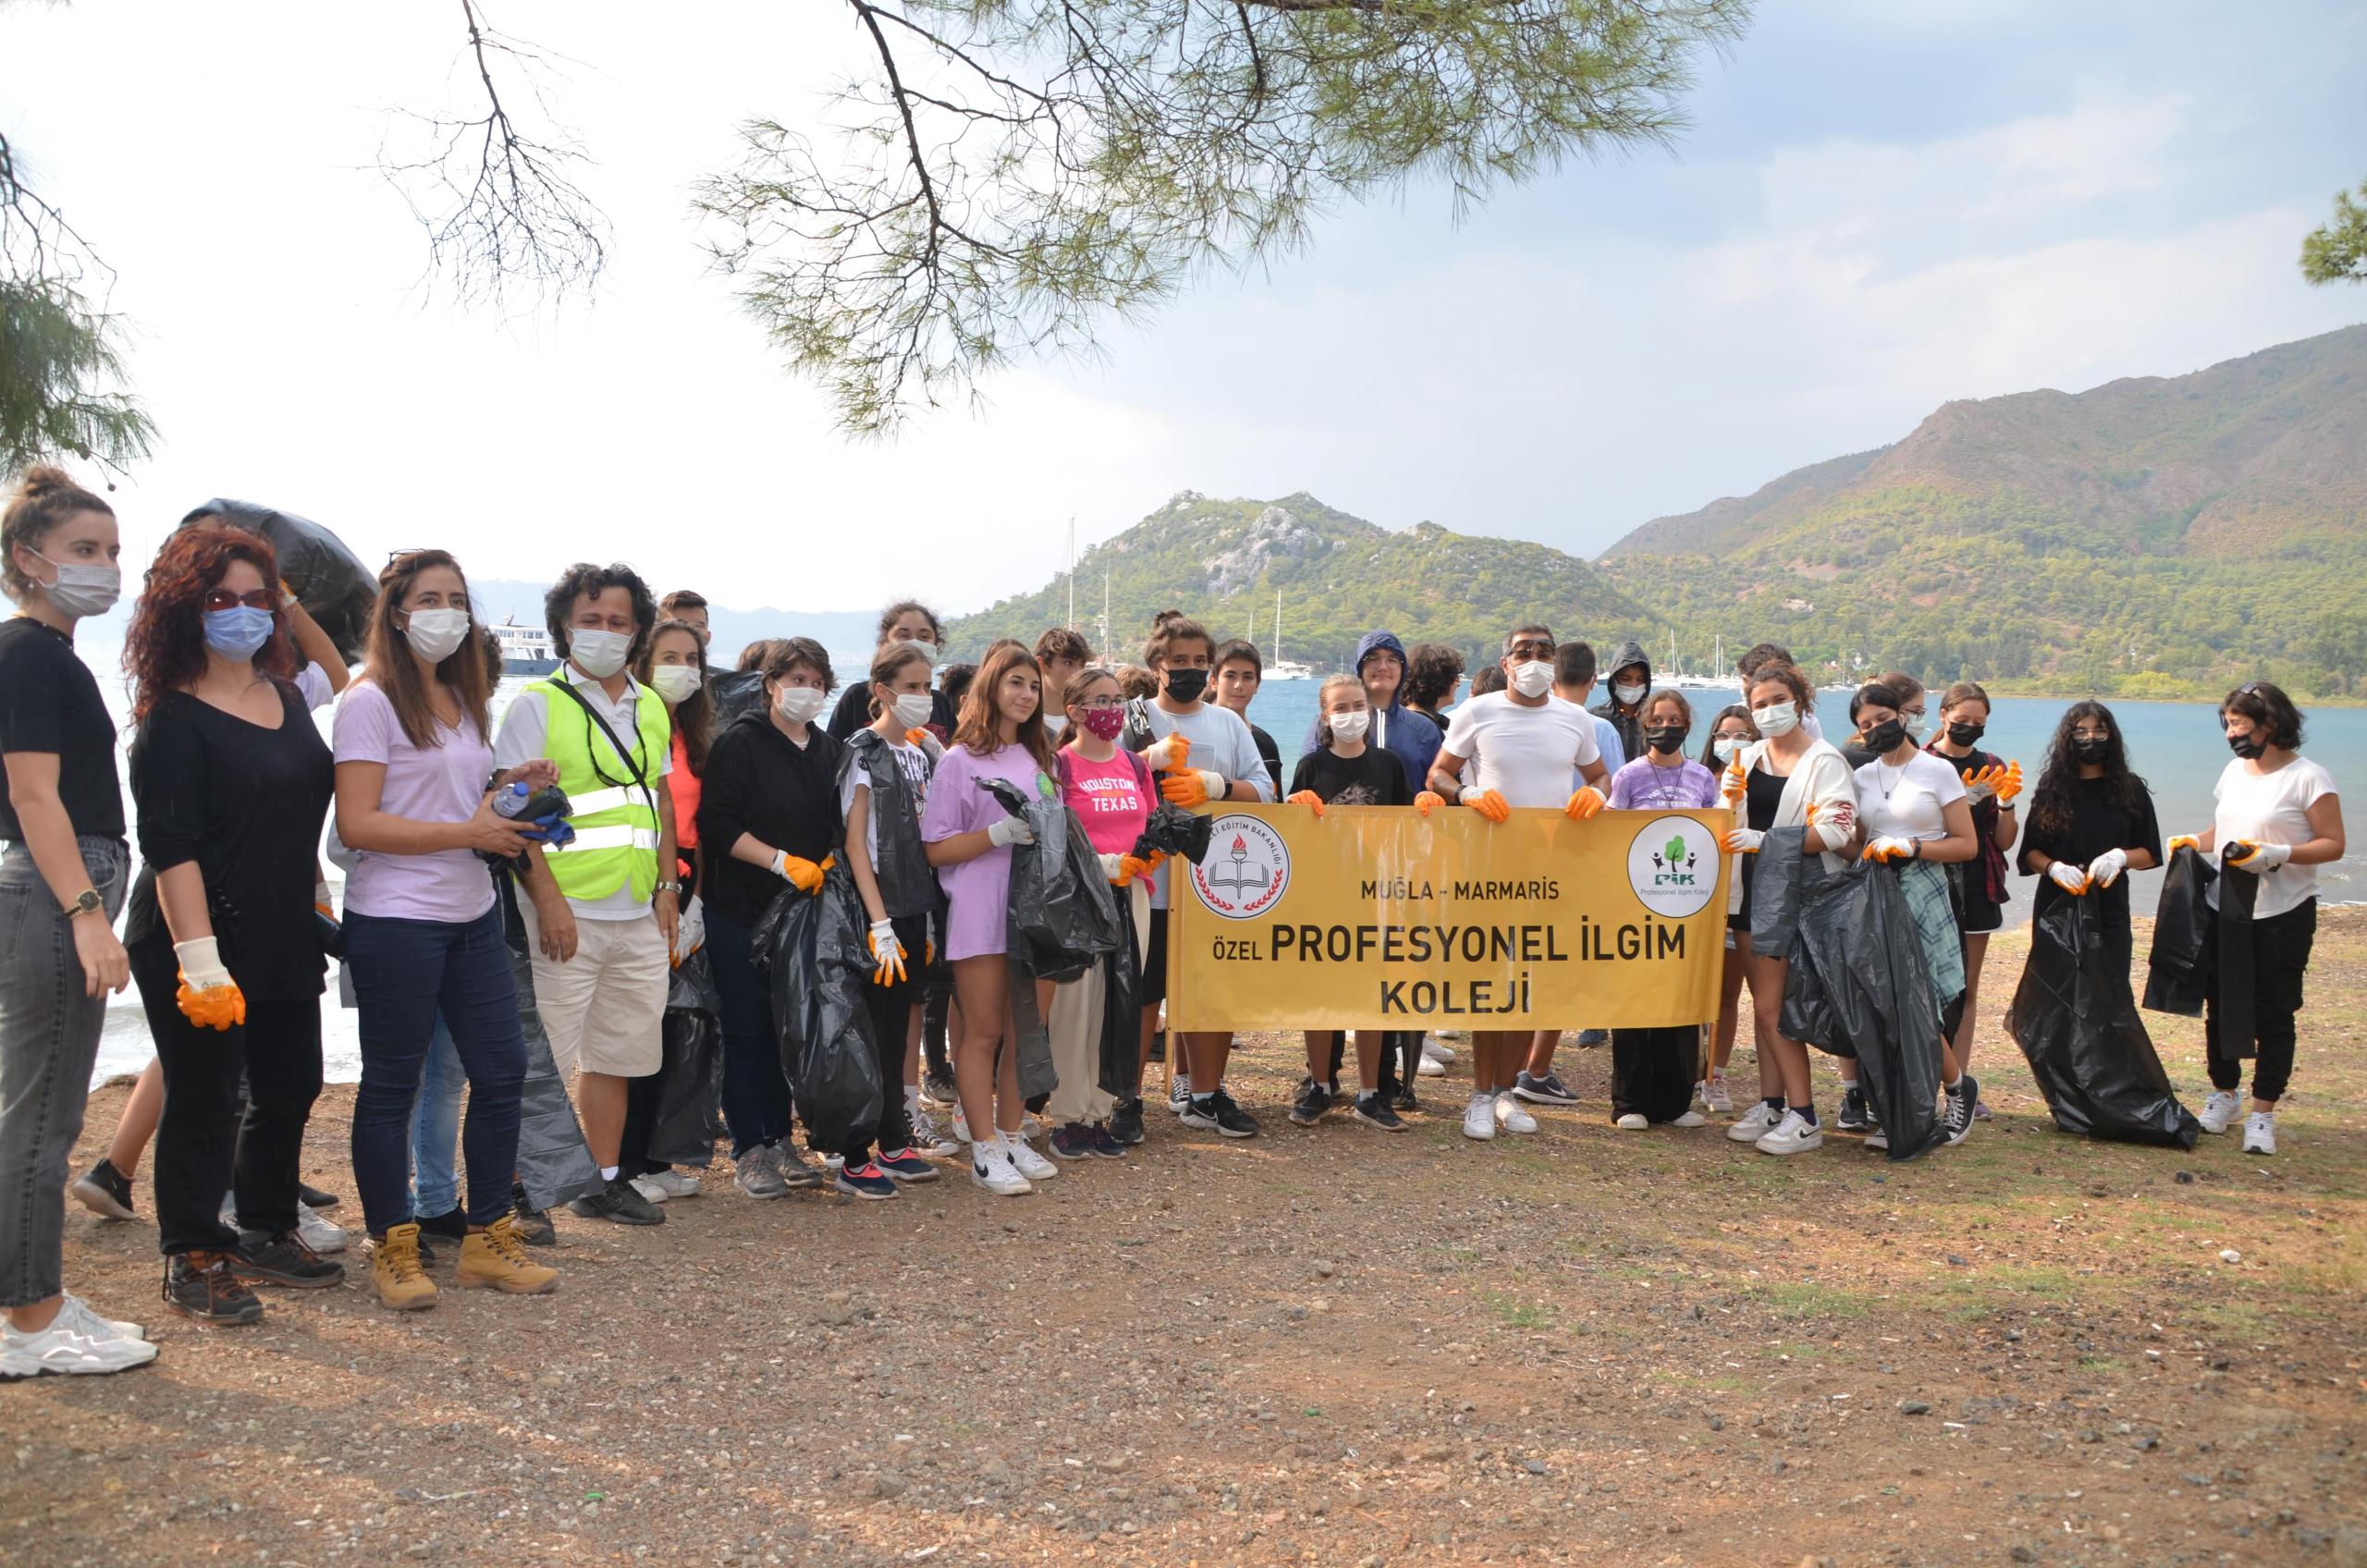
[[497, 1256], [402, 1284]]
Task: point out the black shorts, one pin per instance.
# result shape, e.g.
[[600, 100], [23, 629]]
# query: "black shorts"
[[1153, 985]]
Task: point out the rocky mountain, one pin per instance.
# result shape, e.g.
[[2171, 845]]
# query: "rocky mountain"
[[2150, 536], [1224, 562]]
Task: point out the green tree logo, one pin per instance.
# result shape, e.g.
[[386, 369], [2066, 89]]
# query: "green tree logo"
[[1675, 850]]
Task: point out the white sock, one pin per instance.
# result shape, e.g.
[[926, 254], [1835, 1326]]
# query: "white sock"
[[912, 1097], [607, 1173]]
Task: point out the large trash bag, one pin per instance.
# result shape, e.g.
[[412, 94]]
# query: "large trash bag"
[[814, 954], [2077, 1024], [1858, 987], [735, 692], [690, 1077], [554, 1165], [1782, 877], [2176, 973], [1121, 1045], [1171, 830], [1063, 915], [332, 583]]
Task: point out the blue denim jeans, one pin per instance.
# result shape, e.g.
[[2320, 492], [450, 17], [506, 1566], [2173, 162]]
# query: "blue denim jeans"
[[406, 974], [49, 1036], [435, 1127]]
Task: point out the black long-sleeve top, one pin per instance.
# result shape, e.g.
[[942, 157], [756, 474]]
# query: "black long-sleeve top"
[[760, 782]]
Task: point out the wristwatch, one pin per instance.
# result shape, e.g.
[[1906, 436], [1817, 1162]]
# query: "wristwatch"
[[673, 888], [84, 903]]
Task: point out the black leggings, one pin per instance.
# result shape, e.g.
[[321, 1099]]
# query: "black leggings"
[[2280, 957], [891, 1012]]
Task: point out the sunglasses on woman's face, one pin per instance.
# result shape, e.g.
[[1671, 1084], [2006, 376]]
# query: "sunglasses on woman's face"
[[223, 599]]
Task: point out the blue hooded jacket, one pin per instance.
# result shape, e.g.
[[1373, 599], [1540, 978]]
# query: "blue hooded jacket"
[[1410, 736]]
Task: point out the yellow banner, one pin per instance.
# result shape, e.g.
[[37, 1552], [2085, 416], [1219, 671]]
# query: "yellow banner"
[[1375, 918]]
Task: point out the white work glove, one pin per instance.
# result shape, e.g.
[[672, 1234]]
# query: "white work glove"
[[2262, 858], [201, 962], [690, 932], [2105, 869], [886, 953], [2067, 877], [1110, 868], [1010, 830], [1889, 847], [1745, 841], [1160, 755]]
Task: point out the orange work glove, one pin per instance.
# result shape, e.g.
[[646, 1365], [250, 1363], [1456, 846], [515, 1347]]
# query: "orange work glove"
[[1736, 784], [1310, 799], [1132, 866], [208, 996], [1584, 804], [1488, 803], [801, 875], [1427, 802], [2011, 784], [1190, 788]]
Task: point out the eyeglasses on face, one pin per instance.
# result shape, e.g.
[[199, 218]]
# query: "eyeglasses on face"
[[1532, 650], [225, 599], [1103, 703]]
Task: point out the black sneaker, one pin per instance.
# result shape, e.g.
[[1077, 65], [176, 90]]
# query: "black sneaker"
[[284, 1259], [106, 1191], [1219, 1113], [1314, 1099], [312, 1197], [936, 1085], [1547, 1090], [1961, 1100], [619, 1203], [453, 1226], [1589, 1039], [1853, 1117], [1404, 1100], [1071, 1140], [1373, 1111], [200, 1285], [1126, 1122], [535, 1226], [1106, 1146]]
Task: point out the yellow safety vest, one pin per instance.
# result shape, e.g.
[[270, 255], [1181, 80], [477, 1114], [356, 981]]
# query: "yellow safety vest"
[[615, 824]]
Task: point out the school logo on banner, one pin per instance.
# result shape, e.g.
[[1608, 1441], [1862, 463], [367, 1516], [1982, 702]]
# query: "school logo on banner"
[[1673, 865], [1247, 868]]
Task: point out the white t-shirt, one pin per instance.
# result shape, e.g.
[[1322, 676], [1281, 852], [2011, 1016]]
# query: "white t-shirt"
[[1526, 754], [1907, 803], [915, 763], [2271, 808]]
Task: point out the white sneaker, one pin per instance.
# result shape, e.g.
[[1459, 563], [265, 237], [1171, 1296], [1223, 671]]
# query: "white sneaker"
[[1712, 1094], [1026, 1161], [1432, 1050], [1479, 1118], [991, 1168], [1793, 1134], [1029, 1127], [318, 1233], [2219, 1111], [931, 1139], [1690, 1118], [647, 1187], [1449, 1034], [961, 1126], [1753, 1124], [76, 1312], [676, 1185], [1179, 1093], [1509, 1112], [2260, 1133], [64, 1347], [1429, 1067], [1876, 1139], [1631, 1123]]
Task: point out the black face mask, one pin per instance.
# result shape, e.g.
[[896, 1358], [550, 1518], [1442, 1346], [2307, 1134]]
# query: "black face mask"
[[2090, 751], [2246, 746], [1665, 740], [1966, 734], [1185, 685], [1883, 738]]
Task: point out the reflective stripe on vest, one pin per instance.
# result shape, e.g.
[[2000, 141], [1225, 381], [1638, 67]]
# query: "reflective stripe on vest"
[[616, 826]]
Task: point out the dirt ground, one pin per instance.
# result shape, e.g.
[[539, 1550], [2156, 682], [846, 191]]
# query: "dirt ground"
[[1322, 1345]]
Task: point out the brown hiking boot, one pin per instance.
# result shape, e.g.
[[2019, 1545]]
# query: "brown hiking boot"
[[402, 1284], [497, 1256]]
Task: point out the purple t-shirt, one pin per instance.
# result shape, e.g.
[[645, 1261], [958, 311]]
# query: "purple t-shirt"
[[977, 892], [1639, 786], [440, 784]]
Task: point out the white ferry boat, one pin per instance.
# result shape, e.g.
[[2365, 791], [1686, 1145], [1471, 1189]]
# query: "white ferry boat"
[[525, 650]]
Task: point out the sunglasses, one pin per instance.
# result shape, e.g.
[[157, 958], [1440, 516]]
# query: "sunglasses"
[[1532, 650], [223, 599]]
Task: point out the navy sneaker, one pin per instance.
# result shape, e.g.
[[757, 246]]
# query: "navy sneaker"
[[1373, 1111], [1071, 1140], [865, 1180], [905, 1165], [1106, 1145], [1313, 1100], [1547, 1090]]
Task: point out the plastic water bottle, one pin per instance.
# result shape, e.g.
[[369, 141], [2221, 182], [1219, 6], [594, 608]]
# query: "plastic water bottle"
[[510, 799]]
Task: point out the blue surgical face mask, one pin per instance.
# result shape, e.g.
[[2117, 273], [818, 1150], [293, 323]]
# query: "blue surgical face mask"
[[236, 632]]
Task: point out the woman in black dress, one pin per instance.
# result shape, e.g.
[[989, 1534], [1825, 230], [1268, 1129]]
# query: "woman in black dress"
[[1977, 886], [2092, 821], [231, 783]]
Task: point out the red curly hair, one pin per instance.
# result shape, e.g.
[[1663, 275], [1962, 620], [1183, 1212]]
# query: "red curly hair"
[[165, 650]]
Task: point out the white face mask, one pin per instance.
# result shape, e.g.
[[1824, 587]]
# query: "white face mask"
[[915, 709], [1631, 695], [434, 634], [800, 703], [1724, 748], [1781, 720], [598, 654], [677, 682], [1533, 679], [1351, 725], [81, 588]]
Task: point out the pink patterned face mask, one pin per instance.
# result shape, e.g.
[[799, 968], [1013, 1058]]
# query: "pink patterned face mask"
[[1105, 722]]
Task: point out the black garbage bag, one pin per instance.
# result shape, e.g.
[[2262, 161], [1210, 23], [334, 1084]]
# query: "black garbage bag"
[[2178, 972], [1858, 986], [735, 692], [1120, 1045], [332, 583], [690, 1077], [814, 954], [2077, 1026], [1064, 914], [554, 1165], [1171, 830]]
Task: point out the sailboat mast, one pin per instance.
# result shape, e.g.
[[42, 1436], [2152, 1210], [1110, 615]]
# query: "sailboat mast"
[[1278, 626]]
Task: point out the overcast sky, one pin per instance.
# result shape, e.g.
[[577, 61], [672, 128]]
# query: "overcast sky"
[[1879, 206]]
